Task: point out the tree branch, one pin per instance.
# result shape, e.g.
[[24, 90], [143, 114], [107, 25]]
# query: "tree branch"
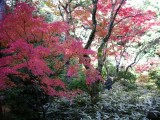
[[94, 22], [110, 28], [126, 18], [141, 52]]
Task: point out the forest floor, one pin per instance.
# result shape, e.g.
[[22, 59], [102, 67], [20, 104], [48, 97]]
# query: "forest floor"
[[117, 104], [125, 104], [120, 103]]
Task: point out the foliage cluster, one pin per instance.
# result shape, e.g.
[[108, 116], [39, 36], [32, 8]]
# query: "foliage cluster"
[[127, 79], [155, 75], [34, 51]]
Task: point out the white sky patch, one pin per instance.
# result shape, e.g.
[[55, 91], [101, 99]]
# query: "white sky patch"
[[136, 3]]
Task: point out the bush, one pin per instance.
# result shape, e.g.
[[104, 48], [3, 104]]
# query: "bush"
[[127, 79], [22, 103], [130, 77], [25, 100], [78, 82], [142, 79], [128, 86], [155, 75]]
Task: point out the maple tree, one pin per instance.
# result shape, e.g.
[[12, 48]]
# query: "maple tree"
[[113, 25], [93, 15], [34, 51]]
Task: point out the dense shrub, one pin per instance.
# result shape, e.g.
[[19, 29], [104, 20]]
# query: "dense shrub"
[[155, 75], [127, 79]]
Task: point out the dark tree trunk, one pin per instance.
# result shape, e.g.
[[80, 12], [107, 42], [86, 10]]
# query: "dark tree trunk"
[[1, 108]]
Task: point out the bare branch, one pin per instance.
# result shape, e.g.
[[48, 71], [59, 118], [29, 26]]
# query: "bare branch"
[[126, 18], [141, 53], [61, 13]]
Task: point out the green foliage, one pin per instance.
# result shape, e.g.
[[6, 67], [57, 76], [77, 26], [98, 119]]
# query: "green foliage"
[[149, 86], [155, 75], [20, 104], [127, 79], [130, 77], [92, 90], [158, 83], [75, 82], [78, 84], [128, 86], [25, 102], [110, 68]]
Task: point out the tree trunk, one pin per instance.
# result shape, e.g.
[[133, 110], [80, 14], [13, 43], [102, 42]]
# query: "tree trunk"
[[1, 107]]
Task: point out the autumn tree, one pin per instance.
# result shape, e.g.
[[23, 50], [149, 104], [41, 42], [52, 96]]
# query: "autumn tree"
[[35, 54], [113, 25]]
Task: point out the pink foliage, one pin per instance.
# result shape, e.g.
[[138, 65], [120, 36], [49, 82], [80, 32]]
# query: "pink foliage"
[[72, 71], [31, 43], [150, 65], [38, 67], [92, 76]]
